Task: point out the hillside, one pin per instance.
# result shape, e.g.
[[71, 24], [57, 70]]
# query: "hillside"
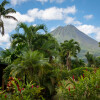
[[1, 49], [71, 32]]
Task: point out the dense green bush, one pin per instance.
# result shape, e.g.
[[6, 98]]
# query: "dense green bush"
[[17, 90], [86, 88], [77, 72]]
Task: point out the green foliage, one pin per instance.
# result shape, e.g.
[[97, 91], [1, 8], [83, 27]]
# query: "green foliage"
[[92, 60], [29, 36], [22, 91], [77, 72], [69, 49], [86, 88], [36, 57], [77, 63], [97, 62], [9, 55]]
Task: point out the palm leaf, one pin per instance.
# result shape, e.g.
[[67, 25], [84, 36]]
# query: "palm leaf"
[[4, 3], [9, 10], [10, 17]]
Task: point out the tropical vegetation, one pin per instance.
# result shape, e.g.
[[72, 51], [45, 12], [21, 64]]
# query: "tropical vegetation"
[[39, 68]]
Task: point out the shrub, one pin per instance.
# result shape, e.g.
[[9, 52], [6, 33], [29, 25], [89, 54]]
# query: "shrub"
[[77, 72], [87, 87], [16, 90]]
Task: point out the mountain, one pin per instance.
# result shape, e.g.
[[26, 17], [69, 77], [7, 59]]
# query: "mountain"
[[1, 49], [71, 32]]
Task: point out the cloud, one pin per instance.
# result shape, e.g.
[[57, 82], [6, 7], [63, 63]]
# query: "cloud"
[[51, 1], [71, 20], [89, 29], [58, 1], [23, 17], [9, 26], [88, 17], [52, 13], [42, 1], [16, 2], [4, 40]]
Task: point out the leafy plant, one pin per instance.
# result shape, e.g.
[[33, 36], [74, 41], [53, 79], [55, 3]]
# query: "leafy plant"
[[17, 90], [87, 87]]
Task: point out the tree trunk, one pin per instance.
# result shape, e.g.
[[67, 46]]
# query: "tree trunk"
[[68, 62], [25, 78], [50, 59], [1, 26]]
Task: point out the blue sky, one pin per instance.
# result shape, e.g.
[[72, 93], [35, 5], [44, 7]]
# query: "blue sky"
[[84, 14]]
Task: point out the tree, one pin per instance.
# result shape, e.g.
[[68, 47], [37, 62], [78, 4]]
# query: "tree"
[[77, 63], [69, 48], [48, 45], [28, 37], [4, 12], [91, 59], [33, 40], [36, 68], [9, 55]]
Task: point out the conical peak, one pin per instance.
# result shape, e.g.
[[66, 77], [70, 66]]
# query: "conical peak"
[[70, 26]]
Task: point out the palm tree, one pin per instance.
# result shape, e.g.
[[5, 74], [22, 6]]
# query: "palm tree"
[[28, 37], [9, 55], [48, 45], [4, 12], [77, 63], [37, 68], [91, 59], [69, 48]]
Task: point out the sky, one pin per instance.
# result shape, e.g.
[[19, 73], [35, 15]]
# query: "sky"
[[84, 14]]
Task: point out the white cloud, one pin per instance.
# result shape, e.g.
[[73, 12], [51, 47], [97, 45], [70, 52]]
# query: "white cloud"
[[88, 17], [42, 1], [52, 13], [9, 26], [51, 1], [23, 17], [89, 29], [15, 2], [71, 20], [58, 1]]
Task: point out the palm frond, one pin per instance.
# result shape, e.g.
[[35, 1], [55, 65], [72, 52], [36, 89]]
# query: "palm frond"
[[10, 17], [18, 35], [23, 26], [5, 2], [9, 10], [42, 26]]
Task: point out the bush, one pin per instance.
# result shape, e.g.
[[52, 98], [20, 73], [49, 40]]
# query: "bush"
[[16, 90], [87, 87], [77, 72]]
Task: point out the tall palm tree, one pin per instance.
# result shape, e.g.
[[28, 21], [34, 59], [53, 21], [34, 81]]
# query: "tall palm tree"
[[28, 37], [69, 48], [4, 13]]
